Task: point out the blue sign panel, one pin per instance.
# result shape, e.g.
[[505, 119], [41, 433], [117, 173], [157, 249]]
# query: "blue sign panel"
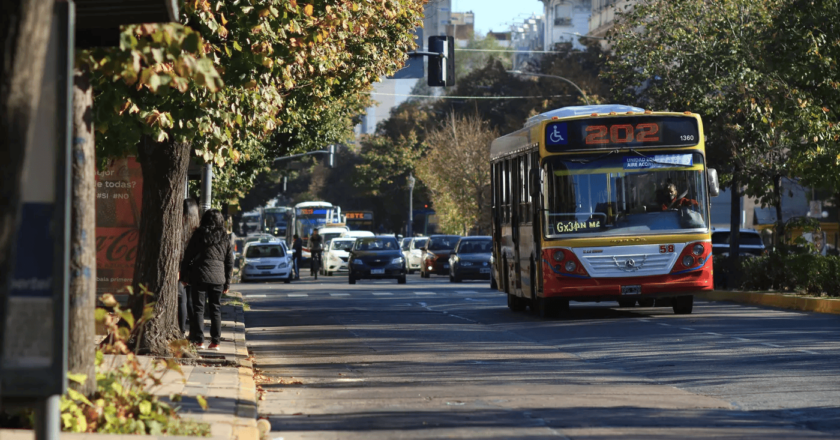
[[658, 161], [557, 134]]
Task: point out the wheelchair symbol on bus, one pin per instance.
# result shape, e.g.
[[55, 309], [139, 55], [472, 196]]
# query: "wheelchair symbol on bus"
[[557, 135]]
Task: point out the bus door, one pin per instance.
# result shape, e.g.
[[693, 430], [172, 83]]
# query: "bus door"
[[496, 227], [516, 201]]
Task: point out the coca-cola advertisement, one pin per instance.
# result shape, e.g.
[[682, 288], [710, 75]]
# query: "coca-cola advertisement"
[[119, 190]]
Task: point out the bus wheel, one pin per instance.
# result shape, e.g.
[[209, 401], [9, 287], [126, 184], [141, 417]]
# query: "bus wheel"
[[683, 305], [647, 302], [627, 302], [515, 303], [546, 308]]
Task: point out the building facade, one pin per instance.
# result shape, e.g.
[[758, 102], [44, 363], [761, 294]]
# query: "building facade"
[[604, 13], [528, 38], [566, 21]]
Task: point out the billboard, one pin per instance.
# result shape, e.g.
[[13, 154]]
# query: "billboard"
[[119, 196]]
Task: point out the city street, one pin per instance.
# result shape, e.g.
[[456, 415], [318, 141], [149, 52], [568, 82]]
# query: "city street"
[[433, 359]]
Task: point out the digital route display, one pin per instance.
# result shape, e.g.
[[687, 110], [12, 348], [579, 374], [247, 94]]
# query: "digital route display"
[[621, 132]]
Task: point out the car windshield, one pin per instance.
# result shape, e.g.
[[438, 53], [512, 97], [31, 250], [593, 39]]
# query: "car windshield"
[[420, 243], [265, 251], [625, 194], [475, 247], [342, 245], [376, 244], [405, 244], [745, 238], [446, 243], [328, 236]]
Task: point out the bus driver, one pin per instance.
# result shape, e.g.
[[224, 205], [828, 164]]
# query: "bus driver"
[[675, 200]]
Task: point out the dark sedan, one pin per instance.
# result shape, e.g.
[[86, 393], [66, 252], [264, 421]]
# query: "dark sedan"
[[471, 259], [376, 258], [436, 255]]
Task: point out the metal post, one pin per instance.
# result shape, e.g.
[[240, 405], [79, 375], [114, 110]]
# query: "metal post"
[[410, 230], [206, 188], [48, 418]]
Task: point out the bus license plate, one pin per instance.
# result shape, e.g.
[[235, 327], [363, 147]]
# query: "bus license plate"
[[631, 290], [377, 271]]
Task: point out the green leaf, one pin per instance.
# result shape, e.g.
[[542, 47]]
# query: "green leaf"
[[202, 402], [79, 378], [145, 407]]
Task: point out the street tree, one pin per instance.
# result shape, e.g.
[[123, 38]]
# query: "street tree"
[[456, 169], [219, 87]]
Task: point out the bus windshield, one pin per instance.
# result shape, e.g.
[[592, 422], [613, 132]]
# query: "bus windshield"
[[624, 194]]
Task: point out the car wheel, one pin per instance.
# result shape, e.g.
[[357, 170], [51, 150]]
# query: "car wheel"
[[647, 302], [401, 280], [455, 279], [351, 279]]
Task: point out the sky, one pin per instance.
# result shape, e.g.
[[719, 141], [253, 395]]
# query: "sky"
[[497, 15]]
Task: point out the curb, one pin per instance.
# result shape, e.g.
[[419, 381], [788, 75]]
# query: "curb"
[[246, 398], [779, 300]]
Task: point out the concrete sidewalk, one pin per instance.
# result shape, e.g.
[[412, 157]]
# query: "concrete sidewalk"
[[224, 378]]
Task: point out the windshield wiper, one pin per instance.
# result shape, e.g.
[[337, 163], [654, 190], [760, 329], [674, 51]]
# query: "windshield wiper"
[[594, 159]]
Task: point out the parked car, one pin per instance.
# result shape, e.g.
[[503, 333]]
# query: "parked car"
[[415, 253], [337, 255], [267, 259], [376, 258], [471, 259], [751, 243], [436, 257]]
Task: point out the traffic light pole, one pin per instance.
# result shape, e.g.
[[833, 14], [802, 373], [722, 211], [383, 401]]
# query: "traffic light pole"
[[330, 152]]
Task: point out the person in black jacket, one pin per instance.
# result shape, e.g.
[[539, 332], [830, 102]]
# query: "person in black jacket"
[[207, 265], [297, 245]]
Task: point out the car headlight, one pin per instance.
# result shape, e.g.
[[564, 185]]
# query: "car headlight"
[[466, 263], [248, 266], [397, 260], [357, 261], [281, 266]]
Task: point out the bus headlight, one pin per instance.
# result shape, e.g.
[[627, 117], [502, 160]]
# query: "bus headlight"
[[688, 261], [698, 249], [558, 256], [570, 266]]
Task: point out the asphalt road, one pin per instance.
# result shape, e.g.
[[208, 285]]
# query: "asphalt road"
[[432, 359]]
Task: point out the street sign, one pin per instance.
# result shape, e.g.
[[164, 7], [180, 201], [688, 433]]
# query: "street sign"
[[34, 323]]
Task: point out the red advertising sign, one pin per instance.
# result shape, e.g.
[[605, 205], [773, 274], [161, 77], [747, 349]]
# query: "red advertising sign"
[[119, 190]]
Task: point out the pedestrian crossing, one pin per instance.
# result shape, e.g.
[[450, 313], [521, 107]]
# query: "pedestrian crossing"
[[420, 293]]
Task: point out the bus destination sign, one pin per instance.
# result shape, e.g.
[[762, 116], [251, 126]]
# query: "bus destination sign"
[[621, 132]]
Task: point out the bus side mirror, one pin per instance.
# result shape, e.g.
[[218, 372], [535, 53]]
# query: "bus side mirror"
[[714, 183], [534, 182]]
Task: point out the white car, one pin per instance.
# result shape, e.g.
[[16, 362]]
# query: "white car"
[[405, 245], [330, 232], [337, 255], [266, 260], [415, 253], [357, 234]]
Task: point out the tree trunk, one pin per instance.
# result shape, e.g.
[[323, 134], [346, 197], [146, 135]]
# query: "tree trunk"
[[164, 172], [82, 329], [24, 31], [734, 278]]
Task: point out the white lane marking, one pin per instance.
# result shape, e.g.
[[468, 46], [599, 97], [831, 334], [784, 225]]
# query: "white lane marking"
[[741, 339], [381, 293], [298, 295], [663, 324], [339, 294], [713, 333], [425, 293], [349, 380], [254, 296], [644, 320], [771, 345], [465, 291], [687, 328], [808, 351], [470, 299]]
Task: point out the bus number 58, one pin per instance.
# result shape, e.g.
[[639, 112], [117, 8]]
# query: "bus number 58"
[[664, 249]]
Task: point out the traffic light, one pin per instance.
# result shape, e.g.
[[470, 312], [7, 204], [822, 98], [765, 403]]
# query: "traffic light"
[[332, 156], [442, 67]]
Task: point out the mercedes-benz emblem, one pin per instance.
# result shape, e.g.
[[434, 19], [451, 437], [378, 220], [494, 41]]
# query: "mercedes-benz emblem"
[[630, 264]]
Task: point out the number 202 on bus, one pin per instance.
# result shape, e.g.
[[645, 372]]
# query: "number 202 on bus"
[[622, 133]]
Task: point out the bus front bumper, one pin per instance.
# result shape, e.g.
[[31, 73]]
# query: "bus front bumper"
[[612, 289]]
